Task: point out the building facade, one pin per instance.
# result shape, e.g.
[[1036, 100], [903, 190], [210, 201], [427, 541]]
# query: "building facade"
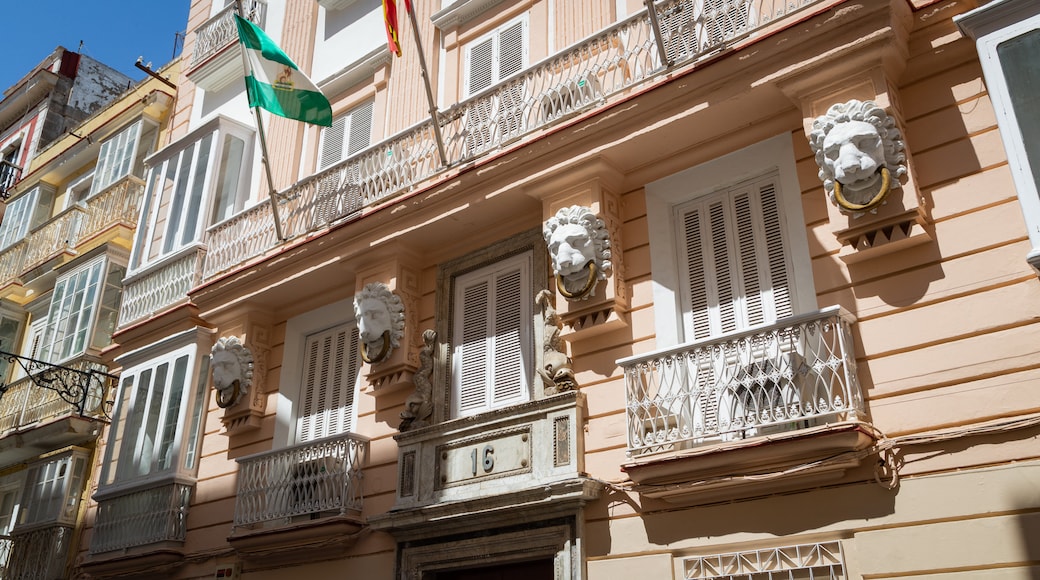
[[64, 240], [687, 289]]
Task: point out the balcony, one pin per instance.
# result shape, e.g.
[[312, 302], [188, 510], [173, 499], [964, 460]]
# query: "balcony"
[[67, 413], [702, 416], [161, 286], [300, 499], [40, 553], [109, 216], [155, 515], [578, 79], [212, 65]]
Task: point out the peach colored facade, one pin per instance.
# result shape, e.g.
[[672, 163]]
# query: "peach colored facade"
[[763, 383]]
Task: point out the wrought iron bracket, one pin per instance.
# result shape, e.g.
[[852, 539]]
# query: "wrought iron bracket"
[[86, 391]]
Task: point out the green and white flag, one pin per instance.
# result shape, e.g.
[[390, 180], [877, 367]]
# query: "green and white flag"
[[275, 83]]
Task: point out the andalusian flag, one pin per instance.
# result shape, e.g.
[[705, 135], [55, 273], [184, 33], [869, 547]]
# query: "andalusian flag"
[[392, 30], [275, 83]]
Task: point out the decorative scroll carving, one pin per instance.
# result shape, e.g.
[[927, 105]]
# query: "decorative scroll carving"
[[556, 372], [380, 317], [580, 249], [418, 407], [860, 154], [231, 364]]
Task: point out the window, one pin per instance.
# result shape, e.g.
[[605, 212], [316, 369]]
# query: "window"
[[25, 213], [489, 60], [82, 311], [327, 389], [53, 490], [319, 376], [10, 329], [9, 169], [157, 415], [737, 255], [350, 132], [491, 336], [123, 154], [9, 495], [735, 260], [1007, 34], [205, 176]]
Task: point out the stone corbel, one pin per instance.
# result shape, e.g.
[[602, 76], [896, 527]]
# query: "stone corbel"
[[395, 370], [245, 413], [883, 224], [604, 307]]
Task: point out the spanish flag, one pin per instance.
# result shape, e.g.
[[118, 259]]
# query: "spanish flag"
[[392, 30]]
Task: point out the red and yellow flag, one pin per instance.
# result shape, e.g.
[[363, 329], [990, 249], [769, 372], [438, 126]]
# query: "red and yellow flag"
[[390, 16]]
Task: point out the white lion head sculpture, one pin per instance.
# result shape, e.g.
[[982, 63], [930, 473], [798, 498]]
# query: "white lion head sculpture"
[[380, 319], [579, 246], [231, 365], [860, 154]]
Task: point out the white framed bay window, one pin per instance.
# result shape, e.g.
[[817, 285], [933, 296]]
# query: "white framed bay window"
[[82, 311], [201, 179]]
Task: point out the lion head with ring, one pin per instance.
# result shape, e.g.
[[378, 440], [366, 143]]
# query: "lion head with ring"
[[231, 364], [860, 154], [579, 246], [380, 319]]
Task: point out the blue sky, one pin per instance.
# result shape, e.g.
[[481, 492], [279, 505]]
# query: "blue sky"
[[114, 32]]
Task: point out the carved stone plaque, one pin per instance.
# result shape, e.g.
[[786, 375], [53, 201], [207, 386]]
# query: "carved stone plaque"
[[489, 456]]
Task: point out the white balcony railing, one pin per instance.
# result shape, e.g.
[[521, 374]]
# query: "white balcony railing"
[[579, 78], [160, 286], [25, 403], [314, 478], [219, 31], [141, 517], [798, 373]]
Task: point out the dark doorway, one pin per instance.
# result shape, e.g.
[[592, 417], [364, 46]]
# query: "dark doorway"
[[530, 570]]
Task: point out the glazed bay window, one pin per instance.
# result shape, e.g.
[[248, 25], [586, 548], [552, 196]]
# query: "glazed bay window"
[[25, 213], [82, 311], [153, 444], [123, 154], [1007, 36], [201, 179]]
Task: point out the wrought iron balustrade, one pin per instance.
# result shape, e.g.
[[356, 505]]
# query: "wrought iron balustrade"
[[798, 373], [581, 77], [60, 234], [141, 517], [5, 553], [11, 260], [40, 553], [310, 479], [160, 286], [49, 391], [9, 174], [220, 30]]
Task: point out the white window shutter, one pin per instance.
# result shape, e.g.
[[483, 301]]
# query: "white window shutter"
[[508, 380], [329, 378], [512, 49], [472, 354], [736, 260], [360, 128], [480, 67], [332, 142]]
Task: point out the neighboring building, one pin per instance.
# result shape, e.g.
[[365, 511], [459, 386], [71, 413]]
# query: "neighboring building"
[[65, 88], [702, 290], [64, 242]]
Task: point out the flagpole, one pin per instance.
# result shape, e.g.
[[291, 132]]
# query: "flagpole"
[[271, 193], [426, 82]]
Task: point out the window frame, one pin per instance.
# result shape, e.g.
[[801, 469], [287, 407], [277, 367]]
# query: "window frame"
[[16, 226], [990, 26], [447, 275], [164, 174], [89, 314], [297, 331], [495, 36], [347, 119], [665, 195], [187, 437]]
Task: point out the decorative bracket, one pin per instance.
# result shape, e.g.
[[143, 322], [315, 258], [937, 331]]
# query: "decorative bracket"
[[85, 390]]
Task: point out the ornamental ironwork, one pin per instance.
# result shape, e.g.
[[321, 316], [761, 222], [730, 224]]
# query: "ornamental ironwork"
[[86, 389]]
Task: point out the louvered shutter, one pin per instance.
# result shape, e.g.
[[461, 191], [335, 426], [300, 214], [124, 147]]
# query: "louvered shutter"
[[512, 49], [481, 67], [360, 128], [332, 142], [736, 260], [492, 337], [329, 379]]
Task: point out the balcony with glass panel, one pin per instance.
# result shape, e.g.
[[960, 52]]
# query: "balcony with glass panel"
[[215, 58], [299, 498], [774, 406], [628, 55]]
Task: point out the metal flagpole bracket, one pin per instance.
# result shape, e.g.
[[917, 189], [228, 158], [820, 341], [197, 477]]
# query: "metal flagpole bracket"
[[87, 391]]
